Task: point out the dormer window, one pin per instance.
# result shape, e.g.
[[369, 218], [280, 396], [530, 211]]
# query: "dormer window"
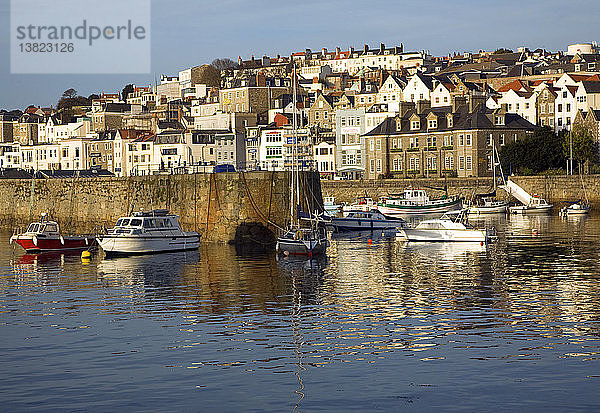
[[415, 125], [398, 125], [499, 120], [450, 121], [432, 124]]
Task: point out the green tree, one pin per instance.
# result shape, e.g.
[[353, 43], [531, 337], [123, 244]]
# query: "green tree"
[[537, 153], [70, 98], [585, 147], [126, 91]]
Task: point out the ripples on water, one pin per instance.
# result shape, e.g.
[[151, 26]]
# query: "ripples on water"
[[383, 327]]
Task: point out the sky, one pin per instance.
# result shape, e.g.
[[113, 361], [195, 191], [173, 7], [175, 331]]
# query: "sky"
[[187, 33]]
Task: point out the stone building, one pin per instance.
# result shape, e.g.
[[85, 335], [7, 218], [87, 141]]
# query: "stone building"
[[546, 96], [249, 99], [322, 113], [441, 141]]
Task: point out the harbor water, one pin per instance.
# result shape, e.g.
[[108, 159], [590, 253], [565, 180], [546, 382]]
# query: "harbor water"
[[379, 325]]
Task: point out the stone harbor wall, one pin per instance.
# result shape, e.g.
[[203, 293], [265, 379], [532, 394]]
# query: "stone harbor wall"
[[224, 206], [556, 189]]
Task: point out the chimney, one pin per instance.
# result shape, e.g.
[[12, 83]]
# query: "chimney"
[[381, 48], [337, 51], [423, 106], [366, 48], [457, 102], [351, 49], [261, 80], [405, 107], [307, 54], [324, 52], [476, 101], [266, 61]]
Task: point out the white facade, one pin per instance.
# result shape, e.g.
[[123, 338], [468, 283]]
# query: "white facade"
[[390, 91], [416, 90], [521, 103], [565, 107], [324, 157], [440, 96]]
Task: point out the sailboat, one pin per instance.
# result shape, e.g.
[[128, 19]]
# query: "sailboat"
[[308, 238], [486, 203], [579, 207]]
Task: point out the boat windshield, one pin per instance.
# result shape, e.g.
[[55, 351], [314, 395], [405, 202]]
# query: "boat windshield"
[[51, 228], [33, 228], [122, 222], [136, 222]]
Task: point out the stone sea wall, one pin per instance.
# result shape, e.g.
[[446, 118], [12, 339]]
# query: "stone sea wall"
[[555, 189], [221, 206]]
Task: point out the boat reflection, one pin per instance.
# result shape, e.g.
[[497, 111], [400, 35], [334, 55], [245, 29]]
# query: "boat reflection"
[[374, 236], [155, 269], [445, 251]]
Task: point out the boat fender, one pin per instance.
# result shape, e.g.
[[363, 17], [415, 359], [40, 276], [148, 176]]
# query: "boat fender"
[[62, 240], [35, 240], [86, 241], [11, 240], [299, 234]]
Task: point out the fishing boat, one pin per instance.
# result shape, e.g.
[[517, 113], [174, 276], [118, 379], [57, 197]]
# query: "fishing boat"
[[146, 233], [44, 235], [306, 238], [330, 207], [361, 221], [451, 227], [362, 203], [417, 202]]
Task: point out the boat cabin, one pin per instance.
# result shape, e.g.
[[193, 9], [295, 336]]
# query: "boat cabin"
[[151, 221], [43, 227]]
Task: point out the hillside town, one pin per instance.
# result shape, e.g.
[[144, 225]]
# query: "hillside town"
[[365, 113]]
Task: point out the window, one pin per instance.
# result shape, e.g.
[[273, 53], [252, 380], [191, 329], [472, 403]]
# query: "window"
[[469, 161], [432, 124], [449, 162], [396, 164], [461, 140], [431, 163], [431, 141], [414, 142], [378, 145], [568, 120], [490, 139], [461, 163], [559, 122], [502, 139], [414, 164], [448, 140], [379, 165], [371, 166], [568, 107], [559, 108], [371, 145], [343, 121], [468, 140]]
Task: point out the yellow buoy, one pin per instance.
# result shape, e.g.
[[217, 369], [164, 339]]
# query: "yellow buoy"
[[86, 255]]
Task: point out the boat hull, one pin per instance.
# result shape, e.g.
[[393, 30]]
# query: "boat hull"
[[347, 224], [44, 244], [485, 210], [301, 247], [133, 245], [530, 210], [444, 235], [433, 208]]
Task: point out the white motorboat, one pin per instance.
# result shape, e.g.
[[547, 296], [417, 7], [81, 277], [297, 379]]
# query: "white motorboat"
[[358, 220], [417, 202], [147, 232], [488, 206], [363, 203], [330, 207], [531, 204], [575, 208], [451, 227]]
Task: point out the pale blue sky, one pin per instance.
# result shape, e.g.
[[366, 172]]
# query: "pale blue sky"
[[191, 32]]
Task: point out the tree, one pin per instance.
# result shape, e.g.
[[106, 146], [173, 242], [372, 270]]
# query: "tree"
[[126, 91], [502, 51], [93, 96], [585, 147], [69, 93], [537, 153], [223, 64], [70, 98]]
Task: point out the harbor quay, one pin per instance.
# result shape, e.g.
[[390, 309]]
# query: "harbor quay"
[[233, 207], [554, 188], [224, 207]]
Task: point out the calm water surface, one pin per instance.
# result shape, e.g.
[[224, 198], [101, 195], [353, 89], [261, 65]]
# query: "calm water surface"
[[383, 327]]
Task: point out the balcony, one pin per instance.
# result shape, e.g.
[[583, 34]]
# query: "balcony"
[[412, 149]]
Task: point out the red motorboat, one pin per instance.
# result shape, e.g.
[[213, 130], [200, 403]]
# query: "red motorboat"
[[45, 236]]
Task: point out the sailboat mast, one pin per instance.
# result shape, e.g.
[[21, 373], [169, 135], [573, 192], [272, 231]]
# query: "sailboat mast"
[[295, 165], [493, 166]]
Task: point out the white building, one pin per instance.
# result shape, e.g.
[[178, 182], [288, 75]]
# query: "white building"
[[419, 87], [324, 158]]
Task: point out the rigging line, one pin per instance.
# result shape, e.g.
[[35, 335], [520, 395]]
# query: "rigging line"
[[254, 206]]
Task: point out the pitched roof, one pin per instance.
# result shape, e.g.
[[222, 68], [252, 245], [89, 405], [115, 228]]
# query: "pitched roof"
[[591, 87]]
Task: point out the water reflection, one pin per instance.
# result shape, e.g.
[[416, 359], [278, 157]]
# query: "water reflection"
[[375, 323]]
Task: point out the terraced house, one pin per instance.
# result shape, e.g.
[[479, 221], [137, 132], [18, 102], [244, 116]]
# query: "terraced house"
[[443, 141]]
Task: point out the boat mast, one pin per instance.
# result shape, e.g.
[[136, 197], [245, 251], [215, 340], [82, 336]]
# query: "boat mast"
[[295, 195]]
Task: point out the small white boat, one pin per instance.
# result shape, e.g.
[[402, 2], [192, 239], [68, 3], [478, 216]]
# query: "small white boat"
[[363, 203], [359, 220], [450, 227], [484, 204], [147, 232], [536, 205], [307, 241], [417, 202], [330, 207], [576, 208]]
